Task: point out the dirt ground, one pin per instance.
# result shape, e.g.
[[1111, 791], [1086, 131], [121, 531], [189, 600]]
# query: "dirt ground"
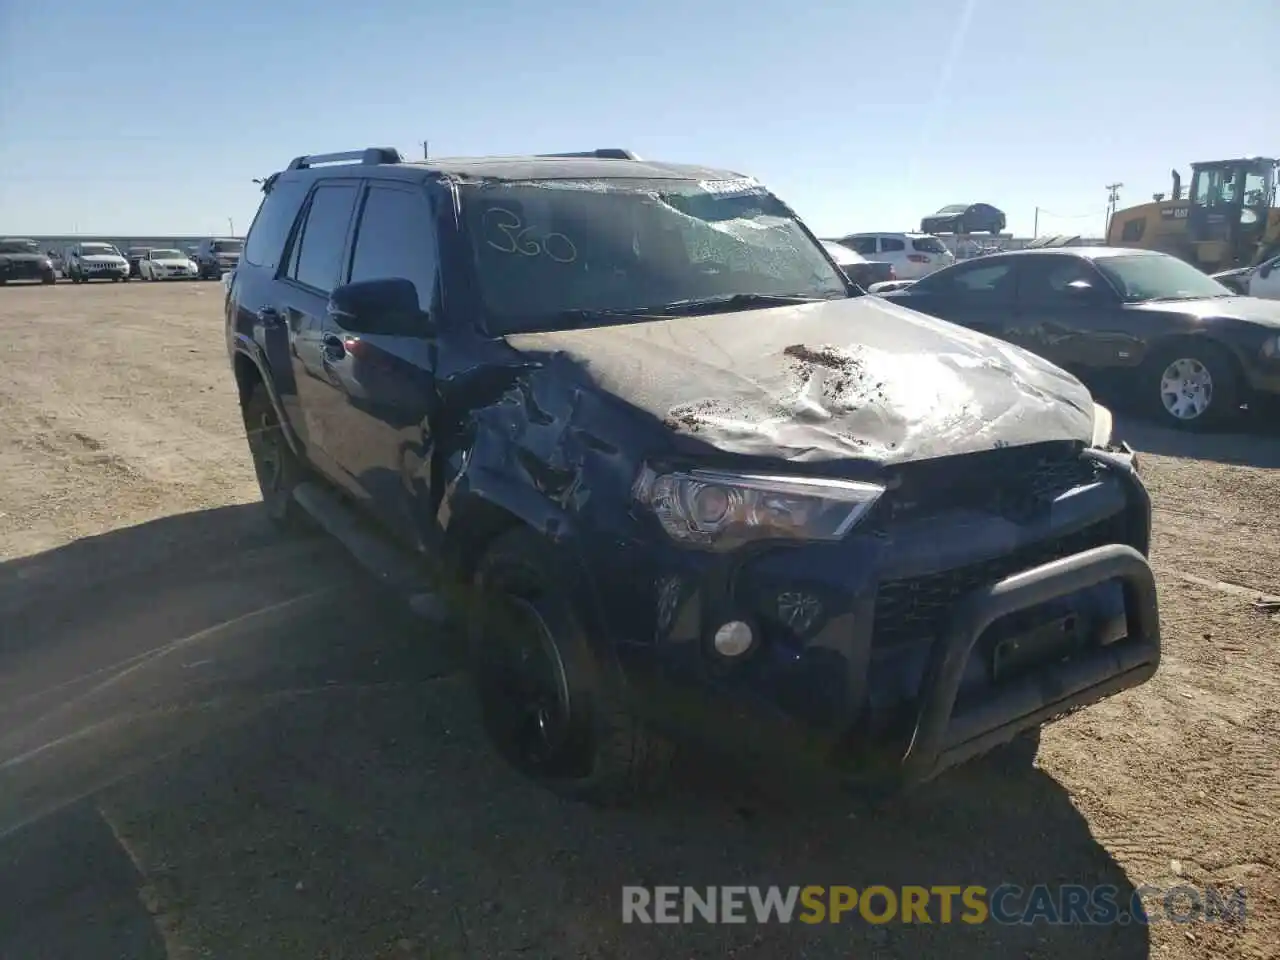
[[218, 743]]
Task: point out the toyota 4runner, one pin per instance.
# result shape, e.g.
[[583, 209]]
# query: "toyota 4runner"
[[700, 485]]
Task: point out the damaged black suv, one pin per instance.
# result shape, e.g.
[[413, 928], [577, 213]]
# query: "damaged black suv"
[[700, 485]]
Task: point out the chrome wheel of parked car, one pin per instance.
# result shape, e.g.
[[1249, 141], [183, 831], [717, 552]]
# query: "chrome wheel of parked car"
[[1186, 389], [1197, 384]]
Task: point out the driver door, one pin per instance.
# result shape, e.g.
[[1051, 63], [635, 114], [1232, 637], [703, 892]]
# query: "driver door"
[[378, 427]]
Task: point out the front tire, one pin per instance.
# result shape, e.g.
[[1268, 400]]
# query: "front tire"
[[1192, 386], [276, 465], [547, 703]]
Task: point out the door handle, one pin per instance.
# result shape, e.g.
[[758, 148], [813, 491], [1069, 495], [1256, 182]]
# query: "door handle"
[[269, 316], [334, 347]]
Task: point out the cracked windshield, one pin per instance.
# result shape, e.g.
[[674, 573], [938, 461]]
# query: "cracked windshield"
[[607, 483]]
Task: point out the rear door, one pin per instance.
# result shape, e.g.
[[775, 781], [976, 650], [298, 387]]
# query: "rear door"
[[978, 295], [312, 269], [380, 431]]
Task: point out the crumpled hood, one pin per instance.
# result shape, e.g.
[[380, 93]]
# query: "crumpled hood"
[[858, 378], [1247, 309]]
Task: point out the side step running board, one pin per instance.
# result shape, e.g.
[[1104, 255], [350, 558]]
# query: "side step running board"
[[386, 561]]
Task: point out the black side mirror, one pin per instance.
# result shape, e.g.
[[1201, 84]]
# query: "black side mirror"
[[1264, 271], [388, 306]]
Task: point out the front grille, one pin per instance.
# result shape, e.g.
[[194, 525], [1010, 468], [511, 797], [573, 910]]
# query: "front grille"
[[1016, 482], [918, 607]]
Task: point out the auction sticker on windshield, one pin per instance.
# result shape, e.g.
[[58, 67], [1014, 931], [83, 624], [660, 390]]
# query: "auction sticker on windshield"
[[740, 187]]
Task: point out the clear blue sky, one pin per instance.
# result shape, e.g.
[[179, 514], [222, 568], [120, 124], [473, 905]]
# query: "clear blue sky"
[[126, 117]]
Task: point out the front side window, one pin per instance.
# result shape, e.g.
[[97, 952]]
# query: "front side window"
[[891, 245], [1146, 278], [396, 240], [928, 245], [547, 250], [1048, 280]]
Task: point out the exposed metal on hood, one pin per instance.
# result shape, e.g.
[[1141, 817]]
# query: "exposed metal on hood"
[[845, 379]]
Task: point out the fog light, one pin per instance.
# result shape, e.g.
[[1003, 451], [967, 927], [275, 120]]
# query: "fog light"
[[733, 639]]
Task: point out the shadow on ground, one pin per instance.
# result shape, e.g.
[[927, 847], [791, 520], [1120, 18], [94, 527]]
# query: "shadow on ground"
[[215, 742], [1252, 441]]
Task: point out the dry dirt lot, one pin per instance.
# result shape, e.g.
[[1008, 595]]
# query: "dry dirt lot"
[[216, 743]]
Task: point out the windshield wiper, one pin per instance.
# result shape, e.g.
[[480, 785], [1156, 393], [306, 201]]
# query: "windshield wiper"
[[737, 301]]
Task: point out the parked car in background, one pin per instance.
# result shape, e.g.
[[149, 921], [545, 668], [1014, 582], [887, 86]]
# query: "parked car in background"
[[22, 259], [960, 218], [1265, 280], [135, 255], [913, 255], [216, 255], [862, 272], [96, 261], [1187, 348], [167, 265], [729, 482]]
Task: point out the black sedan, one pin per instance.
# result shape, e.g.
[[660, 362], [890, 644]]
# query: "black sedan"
[[1186, 347]]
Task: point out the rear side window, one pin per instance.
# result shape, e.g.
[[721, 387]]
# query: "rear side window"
[[928, 245], [396, 239], [271, 226], [324, 236], [891, 245]]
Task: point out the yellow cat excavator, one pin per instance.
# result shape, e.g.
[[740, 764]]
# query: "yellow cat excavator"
[[1228, 218]]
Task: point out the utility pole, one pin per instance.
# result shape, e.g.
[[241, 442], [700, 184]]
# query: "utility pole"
[[1113, 198], [232, 225], [425, 154], [1035, 230]]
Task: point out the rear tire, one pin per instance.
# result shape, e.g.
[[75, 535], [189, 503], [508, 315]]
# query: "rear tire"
[[547, 704], [1191, 386], [276, 465]]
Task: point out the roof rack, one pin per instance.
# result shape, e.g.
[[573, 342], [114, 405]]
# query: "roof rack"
[[370, 156], [600, 153]]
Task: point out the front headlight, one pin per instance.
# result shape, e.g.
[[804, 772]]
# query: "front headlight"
[[1103, 424], [721, 511]]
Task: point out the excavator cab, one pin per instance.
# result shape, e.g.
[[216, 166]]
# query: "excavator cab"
[[1229, 209]]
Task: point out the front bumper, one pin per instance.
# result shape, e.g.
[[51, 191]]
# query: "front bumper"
[[103, 272], [944, 737], [887, 652]]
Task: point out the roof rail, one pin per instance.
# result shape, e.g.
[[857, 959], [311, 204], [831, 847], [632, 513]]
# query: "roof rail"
[[370, 156], [600, 153]]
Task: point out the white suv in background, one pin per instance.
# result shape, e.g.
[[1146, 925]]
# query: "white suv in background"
[[913, 255]]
